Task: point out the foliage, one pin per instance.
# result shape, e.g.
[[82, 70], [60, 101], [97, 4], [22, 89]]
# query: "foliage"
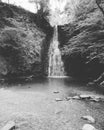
[[42, 7], [20, 42], [83, 44]]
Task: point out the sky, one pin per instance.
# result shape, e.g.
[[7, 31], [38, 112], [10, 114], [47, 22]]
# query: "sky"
[[60, 4], [58, 14], [23, 3]]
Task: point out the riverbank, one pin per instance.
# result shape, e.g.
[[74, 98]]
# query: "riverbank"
[[34, 105]]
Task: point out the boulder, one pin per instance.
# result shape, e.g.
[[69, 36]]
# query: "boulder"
[[88, 127], [90, 119], [85, 96], [58, 99]]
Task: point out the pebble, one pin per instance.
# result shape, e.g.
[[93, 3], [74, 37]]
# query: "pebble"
[[76, 97], [88, 127], [89, 118], [56, 92], [68, 98], [85, 97], [58, 99]]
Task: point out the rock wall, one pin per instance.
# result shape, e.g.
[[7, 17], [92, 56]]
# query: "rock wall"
[[22, 37], [82, 42]]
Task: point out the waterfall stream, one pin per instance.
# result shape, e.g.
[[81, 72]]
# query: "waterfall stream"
[[56, 68]]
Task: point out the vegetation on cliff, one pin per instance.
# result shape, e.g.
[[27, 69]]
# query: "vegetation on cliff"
[[22, 36], [82, 42]]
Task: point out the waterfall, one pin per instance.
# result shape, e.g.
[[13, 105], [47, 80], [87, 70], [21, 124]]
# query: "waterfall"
[[56, 68]]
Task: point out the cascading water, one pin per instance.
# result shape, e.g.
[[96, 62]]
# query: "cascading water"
[[56, 68]]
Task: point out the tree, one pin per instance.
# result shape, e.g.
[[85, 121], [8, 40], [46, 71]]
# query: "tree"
[[36, 3], [42, 7], [98, 2]]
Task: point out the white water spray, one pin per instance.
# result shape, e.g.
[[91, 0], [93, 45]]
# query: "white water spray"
[[56, 68]]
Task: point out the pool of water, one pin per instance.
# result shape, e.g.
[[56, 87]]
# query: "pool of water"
[[35, 104], [67, 85]]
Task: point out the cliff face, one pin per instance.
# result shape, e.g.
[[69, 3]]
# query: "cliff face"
[[22, 36], [82, 42]]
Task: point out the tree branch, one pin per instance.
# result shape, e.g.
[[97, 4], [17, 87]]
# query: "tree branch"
[[98, 4]]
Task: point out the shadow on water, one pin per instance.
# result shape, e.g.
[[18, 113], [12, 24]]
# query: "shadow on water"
[[23, 81], [68, 85], [70, 82]]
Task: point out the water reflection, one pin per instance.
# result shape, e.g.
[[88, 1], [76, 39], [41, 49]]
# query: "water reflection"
[[67, 85]]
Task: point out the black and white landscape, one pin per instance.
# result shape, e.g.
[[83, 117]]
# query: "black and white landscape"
[[51, 65]]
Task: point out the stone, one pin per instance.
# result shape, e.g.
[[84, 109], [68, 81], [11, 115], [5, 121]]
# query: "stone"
[[88, 127], [68, 98], [89, 118], [58, 99], [76, 97], [85, 96], [95, 100], [56, 92], [9, 126]]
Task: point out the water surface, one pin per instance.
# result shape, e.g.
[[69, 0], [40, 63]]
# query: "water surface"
[[34, 106]]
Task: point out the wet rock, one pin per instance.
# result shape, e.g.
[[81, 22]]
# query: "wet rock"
[[9, 126], [76, 97], [91, 98], [85, 97], [58, 99], [68, 98], [89, 118], [88, 127], [95, 100], [56, 92]]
